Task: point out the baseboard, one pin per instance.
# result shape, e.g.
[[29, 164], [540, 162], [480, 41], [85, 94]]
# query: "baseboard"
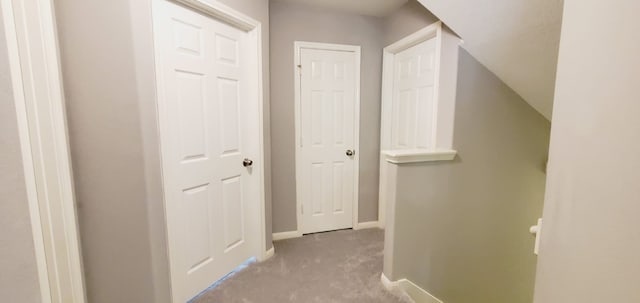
[[296, 234], [286, 235], [404, 286], [268, 254], [365, 225], [388, 284]]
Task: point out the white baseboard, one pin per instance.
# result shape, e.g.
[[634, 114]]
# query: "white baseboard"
[[286, 235], [388, 284], [268, 254], [365, 225], [297, 234], [404, 286]]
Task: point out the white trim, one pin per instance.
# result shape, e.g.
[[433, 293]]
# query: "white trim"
[[37, 86], [221, 12], [424, 34], [408, 288], [367, 225], [268, 254], [418, 155], [298, 45], [388, 284], [25, 145], [286, 235], [256, 38]]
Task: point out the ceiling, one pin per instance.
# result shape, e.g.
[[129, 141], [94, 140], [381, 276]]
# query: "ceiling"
[[377, 8], [516, 39]]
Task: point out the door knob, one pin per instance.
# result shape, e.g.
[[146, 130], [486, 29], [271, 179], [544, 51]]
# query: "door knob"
[[350, 152], [247, 162]]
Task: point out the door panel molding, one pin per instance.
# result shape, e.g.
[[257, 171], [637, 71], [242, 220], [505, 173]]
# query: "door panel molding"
[[356, 51]]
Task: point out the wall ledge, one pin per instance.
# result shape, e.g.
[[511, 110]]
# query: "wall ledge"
[[418, 155]]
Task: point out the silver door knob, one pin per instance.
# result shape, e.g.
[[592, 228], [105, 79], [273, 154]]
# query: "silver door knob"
[[350, 152], [247, 162]]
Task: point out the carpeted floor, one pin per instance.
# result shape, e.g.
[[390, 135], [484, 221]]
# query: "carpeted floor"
[[334, 267]]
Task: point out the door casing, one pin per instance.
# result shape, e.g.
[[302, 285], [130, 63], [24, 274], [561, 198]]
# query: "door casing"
[[35, 72], [356, 50]]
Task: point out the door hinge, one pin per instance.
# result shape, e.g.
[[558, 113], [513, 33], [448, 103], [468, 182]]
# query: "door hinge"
[[302, 209]]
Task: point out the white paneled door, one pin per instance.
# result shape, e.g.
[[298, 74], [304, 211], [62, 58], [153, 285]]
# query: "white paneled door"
[[413, 97], [327, 129], [206, 115]]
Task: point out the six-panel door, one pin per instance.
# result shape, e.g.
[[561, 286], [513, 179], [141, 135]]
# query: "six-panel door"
[[202, 90], [413, 97], [327, 122]]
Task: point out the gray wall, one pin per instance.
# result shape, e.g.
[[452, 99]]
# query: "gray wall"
[[405, 21], [462, 227], [289, 23], [19, 278], [108, 73], [591, 240]]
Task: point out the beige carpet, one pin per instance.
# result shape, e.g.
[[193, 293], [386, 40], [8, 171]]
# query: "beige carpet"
[[335, 267]]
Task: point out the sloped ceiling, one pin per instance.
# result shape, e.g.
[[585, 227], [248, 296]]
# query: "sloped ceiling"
[[376, 8], [516, 39]]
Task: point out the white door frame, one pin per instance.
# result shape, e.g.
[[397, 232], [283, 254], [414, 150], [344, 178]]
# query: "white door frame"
[[253, 28], [38, 95], [298, 46]]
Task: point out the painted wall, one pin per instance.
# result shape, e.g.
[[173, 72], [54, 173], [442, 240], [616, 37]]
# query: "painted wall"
[[462, 227], [19, 279], [108, 74], [289, 23], [516, 40], [590, 235], [405, 21]]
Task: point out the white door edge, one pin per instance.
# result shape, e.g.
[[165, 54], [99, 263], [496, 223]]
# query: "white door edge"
[[218, 11], [298, 46]]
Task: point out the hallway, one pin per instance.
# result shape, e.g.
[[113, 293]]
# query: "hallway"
[[342, 267]]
